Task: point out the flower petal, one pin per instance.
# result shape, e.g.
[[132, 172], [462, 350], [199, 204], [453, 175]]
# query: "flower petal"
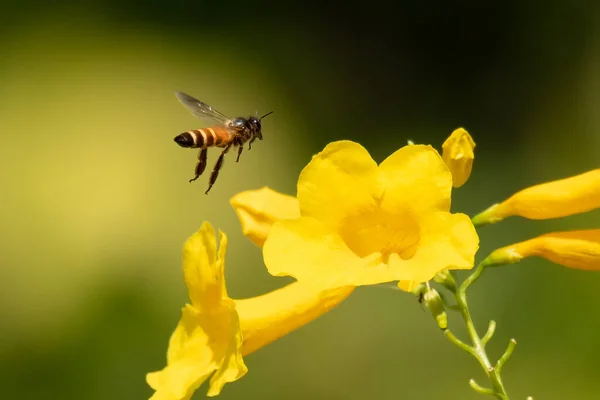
[[572, 249], [259, 209], [448, 241], [574, 195], [190, 360], [231, 367], [177, 382], [416, 178], [340, 180], [188, 334], [203, 276], [408, 286], [220, 269], [266, 318], [305, 249]]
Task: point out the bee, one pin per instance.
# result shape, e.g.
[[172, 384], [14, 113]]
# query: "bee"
[[225, 133]]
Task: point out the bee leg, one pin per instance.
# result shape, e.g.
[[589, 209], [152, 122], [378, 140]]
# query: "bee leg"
[[250, 143], [215, 172], [239, 153], [201, 164]]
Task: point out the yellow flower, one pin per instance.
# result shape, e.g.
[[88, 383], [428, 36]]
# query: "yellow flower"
[[574, 195], [573, 249], [208, 338], [216, 331], [259, 209], [363, 224], [458, 156]]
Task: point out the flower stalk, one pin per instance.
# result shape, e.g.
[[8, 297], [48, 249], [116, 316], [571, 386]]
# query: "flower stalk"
[[477, 344]]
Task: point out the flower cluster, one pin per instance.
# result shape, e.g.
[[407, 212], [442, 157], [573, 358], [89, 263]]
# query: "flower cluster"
[[354, 222]]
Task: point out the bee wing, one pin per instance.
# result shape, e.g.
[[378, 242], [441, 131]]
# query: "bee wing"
[[200, 109]]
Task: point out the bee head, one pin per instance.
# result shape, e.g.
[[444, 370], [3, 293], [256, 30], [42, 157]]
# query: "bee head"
[[255, 126], [256, 121]]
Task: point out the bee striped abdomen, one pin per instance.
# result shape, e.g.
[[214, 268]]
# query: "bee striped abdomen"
[[196, 138]]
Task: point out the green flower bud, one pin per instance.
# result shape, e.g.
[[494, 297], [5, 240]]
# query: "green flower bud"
[[446, 279], [435, 305]]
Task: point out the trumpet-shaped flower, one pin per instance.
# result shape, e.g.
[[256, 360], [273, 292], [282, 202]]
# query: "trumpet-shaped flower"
[[363, 224], [216, 331], [457, 152], [208, 339], [574, 195], [573, 249], [259, 209]]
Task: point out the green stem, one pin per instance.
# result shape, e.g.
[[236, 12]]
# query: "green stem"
[[480, 389], [490, 332], [477, 347]]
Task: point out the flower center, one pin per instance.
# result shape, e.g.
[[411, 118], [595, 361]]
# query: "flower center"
[[377, 231]]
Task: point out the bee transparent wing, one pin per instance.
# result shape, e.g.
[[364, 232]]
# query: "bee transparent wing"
[[200, 109]]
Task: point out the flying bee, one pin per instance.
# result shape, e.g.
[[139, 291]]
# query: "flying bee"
[[225, 133]]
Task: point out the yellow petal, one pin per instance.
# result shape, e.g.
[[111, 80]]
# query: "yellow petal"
[[573, 249], [305, 249], [190, 360], [203, 276], [259, 209], [447, 241], [574, 195], [340, 180], [266, 318], [219, 270], [228, 338], [176, 383], [408, 286], [458, 155], [416, 178], [188, 334]]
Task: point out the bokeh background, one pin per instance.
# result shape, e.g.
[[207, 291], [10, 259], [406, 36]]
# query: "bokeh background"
[[96, 203]]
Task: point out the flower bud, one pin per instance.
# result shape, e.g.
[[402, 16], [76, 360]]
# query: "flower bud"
[[419, 291], [574, 195], [435, 305], [457, 152], [446, 279], [572, 249]]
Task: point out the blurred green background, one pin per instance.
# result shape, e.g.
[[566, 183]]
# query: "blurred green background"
[[96, 204]]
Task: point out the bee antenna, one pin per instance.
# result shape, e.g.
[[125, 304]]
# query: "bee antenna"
[[269, 113]]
